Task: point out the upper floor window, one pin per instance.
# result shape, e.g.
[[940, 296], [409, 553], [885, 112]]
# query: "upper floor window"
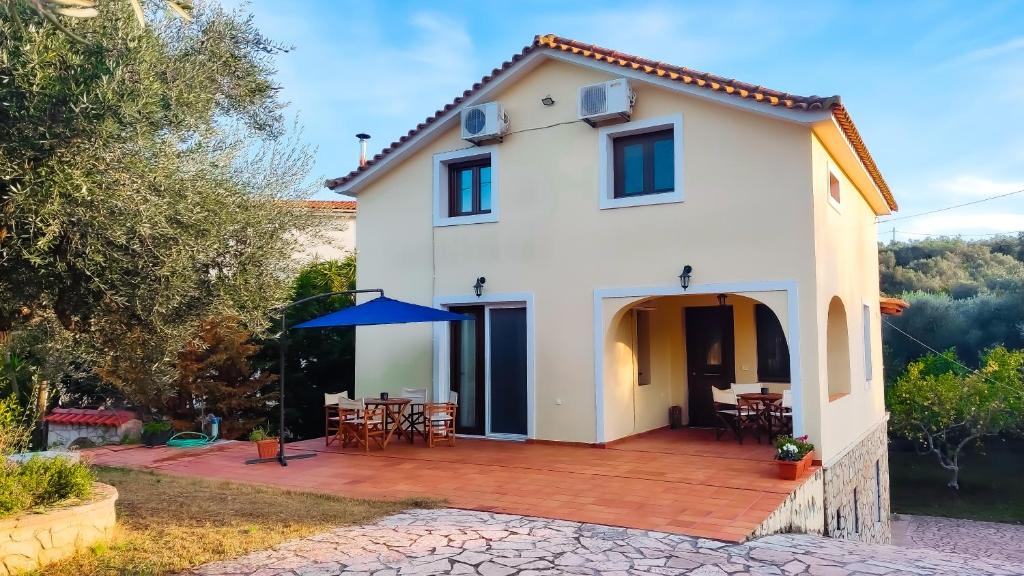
[[835, 189], [644, 164], [641, 162], [466, 186], [469, 188]]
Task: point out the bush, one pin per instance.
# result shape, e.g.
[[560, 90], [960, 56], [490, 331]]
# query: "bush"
[[156, 427], [42, 482]]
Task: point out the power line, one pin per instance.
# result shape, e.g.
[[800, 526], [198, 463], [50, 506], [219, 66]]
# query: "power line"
[[971, 203], [954, 360], [948, 234]]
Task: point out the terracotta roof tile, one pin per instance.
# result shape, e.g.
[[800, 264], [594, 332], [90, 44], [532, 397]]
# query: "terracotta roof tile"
[[712, 82], [892, 306], [89, 417]]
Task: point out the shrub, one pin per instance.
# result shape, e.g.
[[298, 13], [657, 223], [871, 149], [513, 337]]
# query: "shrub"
[[42, 482], [156, 427]]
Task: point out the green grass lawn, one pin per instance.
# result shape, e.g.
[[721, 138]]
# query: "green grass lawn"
[[991, 484], [167, 524]]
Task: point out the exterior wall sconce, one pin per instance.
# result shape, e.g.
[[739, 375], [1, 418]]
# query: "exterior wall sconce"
[[721, 299], [547, 100], [684, 278], [478, 288]]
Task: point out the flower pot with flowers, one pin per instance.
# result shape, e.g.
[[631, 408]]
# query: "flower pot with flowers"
[[266, 445], [793, 456]]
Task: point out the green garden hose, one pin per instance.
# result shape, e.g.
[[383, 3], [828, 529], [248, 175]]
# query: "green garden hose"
[[192, 440]]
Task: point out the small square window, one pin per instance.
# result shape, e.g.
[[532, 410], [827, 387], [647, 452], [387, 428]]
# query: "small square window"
[[469, 188], [834, 188], [644, 164]]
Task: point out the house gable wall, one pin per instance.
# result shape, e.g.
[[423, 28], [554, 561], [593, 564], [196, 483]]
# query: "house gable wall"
[[747, 216]]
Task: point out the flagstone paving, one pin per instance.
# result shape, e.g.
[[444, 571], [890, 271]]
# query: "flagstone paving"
[[449, 541], [986, 539]]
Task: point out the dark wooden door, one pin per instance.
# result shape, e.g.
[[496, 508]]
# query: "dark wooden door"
[[710, 358], [467, 370], [508, 371]]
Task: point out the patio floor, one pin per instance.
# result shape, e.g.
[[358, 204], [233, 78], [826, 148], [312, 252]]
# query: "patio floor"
[[680, 481]]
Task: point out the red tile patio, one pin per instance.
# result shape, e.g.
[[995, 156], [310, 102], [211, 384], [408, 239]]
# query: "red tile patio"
[[673, 481]]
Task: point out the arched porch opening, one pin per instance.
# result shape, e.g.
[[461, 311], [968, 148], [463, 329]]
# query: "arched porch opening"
[[669, 350]]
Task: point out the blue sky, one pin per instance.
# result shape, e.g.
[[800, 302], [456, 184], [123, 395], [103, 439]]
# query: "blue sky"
[[936, 88]]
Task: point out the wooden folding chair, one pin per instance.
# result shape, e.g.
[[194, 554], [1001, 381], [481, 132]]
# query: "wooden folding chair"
[[414, 421], [440, 420], [361, 423], [731, 414], [332, 420]]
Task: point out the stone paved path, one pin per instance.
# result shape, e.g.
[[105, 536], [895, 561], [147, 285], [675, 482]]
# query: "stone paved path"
[[985, 539], [448, 541]]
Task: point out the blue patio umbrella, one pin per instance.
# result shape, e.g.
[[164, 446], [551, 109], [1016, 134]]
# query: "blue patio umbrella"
[[380, 310]]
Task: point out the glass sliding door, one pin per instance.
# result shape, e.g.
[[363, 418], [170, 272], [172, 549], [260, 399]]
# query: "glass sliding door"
[[508, 375], [467, 370]]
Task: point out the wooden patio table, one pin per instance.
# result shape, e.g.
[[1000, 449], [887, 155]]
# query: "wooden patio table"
[[763, 401], [394, 408]]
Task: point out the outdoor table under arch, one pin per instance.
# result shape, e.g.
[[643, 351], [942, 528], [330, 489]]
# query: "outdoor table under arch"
[[380, 310]]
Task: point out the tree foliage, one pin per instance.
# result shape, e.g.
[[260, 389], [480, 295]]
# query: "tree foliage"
[[945, 408], [953, 266], [965, 295], [319, 360], [141, 183], [216, 377]]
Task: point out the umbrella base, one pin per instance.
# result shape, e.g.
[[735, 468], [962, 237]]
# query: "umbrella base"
[[283, 461]]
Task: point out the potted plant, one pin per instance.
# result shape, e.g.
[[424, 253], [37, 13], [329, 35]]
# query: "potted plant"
[[793, 456], [156, 433], [266, 445]]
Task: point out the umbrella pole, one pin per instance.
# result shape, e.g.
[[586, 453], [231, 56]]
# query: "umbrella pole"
[[281, 458]]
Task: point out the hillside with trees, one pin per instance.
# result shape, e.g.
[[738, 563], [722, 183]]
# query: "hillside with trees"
[[964, 295]]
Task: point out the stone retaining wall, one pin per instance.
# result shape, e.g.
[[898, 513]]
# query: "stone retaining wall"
[[29, 541], [801, 512], [857, 491]]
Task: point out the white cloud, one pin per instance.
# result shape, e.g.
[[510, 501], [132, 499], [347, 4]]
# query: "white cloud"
[[989, 52], [979, 186]]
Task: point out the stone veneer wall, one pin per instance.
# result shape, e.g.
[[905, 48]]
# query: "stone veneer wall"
[[855, 473], [801, 512], [29, 541]]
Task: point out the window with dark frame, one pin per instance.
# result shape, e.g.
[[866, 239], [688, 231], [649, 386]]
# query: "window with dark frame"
[[469, 187], [644, 164], [833, 187], [772, 348]]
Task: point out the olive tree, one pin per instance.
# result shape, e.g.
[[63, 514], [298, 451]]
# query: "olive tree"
[[945, 408], [143, 179]]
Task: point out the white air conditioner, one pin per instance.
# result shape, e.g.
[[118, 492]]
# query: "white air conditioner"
[[484, 122], [606, 102]]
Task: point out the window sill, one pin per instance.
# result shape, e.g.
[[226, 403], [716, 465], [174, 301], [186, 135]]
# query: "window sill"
[[642, 200], [463, 220], [834, 397]]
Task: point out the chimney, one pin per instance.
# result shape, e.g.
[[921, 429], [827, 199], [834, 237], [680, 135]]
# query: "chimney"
[[362, 148]]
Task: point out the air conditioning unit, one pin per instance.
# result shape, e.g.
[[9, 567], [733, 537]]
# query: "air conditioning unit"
[[606, 103], [484, 122]]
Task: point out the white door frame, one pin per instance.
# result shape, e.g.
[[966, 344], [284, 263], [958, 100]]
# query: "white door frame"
[[442, 346], [793, 337]]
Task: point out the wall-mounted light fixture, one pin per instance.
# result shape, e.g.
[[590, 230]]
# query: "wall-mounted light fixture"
[[478, 288], [547, 100], [684, 278], [721, 299]]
